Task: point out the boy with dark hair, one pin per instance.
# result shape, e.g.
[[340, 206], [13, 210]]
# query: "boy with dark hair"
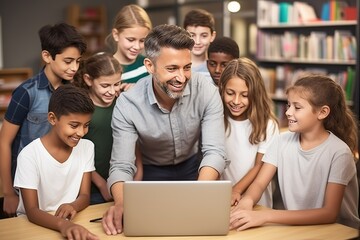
[[201, 25], [26, 116], [220, 52], [53, 172]]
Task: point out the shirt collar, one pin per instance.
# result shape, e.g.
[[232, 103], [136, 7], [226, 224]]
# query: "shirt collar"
[[45, 83]]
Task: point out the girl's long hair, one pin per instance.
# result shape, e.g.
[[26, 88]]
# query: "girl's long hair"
[[98, 65], [260, 105], [321, 90], [129, 16]]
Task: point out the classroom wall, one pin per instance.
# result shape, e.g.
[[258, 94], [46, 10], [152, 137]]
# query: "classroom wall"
[[21, 21]]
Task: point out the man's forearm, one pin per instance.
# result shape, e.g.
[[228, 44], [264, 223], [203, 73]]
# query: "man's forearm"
[[208, 173], [117, 192]]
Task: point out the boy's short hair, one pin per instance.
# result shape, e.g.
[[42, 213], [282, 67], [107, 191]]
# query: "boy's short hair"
[[68, 99], [224, 45], [199, 17], [55, 38]]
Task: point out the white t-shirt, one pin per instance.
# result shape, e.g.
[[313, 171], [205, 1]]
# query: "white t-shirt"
[[56, 183], [304, 175], [242, 153]]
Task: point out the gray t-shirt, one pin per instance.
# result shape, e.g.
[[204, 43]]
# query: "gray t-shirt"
[[303, 175]]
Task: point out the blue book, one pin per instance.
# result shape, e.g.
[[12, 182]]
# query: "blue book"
[[325, 12], [284, 12]]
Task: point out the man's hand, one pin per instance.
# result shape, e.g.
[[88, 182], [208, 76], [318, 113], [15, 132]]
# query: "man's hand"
[[112, 220], [244, 219]]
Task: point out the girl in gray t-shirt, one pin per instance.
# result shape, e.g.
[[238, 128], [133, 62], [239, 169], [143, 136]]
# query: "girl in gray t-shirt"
[[314, 162]]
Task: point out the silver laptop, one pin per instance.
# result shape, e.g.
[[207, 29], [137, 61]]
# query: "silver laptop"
[[176, 208]]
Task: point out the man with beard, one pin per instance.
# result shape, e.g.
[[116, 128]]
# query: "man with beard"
[[165, 114]]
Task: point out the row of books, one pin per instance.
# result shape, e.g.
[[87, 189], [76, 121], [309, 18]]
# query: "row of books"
[[272, 13], [278, 79], [279, 109], [334, 10], [315, 46]]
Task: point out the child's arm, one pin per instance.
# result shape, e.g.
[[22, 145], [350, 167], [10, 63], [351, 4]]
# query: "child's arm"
[[7, 135], [240, 187], [138, 162], [69, 210], [101, 184], [65, 227], [327, 214]]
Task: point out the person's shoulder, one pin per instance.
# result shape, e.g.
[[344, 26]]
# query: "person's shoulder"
[[200, 79], [336, 143], [138, 91], [34, 81], [140, 58], [34, 144], [202, 85], [288, 136], [85, 143]]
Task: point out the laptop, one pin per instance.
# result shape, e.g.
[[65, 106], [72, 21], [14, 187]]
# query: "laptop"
[[176, 208]]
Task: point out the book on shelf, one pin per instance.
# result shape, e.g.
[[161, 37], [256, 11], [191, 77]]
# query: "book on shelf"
[[344, 45], [306, 12], [350, 84], [279, 111], [350, 13], [289, 44], [267, 12]]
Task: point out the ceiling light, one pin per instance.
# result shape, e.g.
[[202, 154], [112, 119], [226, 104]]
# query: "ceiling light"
[[233, 6]]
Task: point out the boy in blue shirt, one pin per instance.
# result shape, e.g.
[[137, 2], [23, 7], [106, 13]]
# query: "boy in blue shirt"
[[26, 117]]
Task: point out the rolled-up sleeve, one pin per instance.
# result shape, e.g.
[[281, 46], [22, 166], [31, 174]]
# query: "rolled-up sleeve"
[[213, 131], [122, 163]]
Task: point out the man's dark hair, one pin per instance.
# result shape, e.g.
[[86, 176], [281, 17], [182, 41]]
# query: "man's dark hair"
[[55, 38], [224, 45], [68, 99], [165, 35]]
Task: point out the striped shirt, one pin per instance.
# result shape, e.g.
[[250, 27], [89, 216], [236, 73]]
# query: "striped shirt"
[[133, 72]]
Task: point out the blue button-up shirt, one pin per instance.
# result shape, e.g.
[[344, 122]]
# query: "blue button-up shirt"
[[28, 108]]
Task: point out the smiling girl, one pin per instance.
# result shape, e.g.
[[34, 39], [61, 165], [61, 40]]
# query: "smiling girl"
[[131, 26], [249, 123], [100, 74], [314, 162]]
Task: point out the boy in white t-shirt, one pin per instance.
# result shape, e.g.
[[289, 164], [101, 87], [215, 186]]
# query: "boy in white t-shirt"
[[54, 172]]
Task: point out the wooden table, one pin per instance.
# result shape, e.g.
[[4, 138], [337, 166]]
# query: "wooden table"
[[20, 228]]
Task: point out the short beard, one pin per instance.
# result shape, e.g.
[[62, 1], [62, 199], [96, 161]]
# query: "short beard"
[[169, 93]]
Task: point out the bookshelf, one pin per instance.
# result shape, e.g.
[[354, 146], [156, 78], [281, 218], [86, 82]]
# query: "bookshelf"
[[92, 23], [10, 78], [313, 36]]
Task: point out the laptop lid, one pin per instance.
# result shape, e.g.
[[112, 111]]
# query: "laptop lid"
[[174, 208]]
